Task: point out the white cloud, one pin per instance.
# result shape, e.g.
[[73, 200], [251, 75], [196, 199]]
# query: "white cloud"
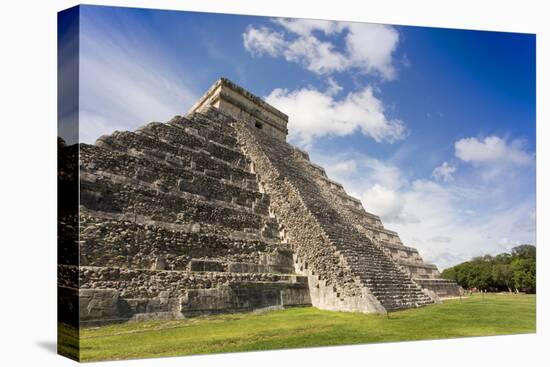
[[368, 48], [376, 183], [492, 149], [304, 27], [444, 172], [333, 87], [259, 41], [317, 56], [448, 223], [440, 213], [383, 173], [359, 170], [384, 202], [314, 114]]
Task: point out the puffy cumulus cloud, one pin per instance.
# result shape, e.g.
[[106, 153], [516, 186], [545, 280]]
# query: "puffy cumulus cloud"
[[384, 202], [260, 41], [383, 173], [361, 171], [492, 149], [368, 48], [449, 222], [444, 172], [376, 183], [317, 56], [315, 114], [304, 27], [445, 235]]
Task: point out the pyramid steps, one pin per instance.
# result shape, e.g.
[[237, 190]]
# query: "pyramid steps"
[[207, 213], [184, 225], [178, 137], [167, 177], [173, 221], [111, 242], [358, 255], [407, 259], [108, 193], [178, 154]]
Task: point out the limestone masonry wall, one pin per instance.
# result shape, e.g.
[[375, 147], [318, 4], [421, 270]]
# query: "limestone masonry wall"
[[172, 224], [314, 252], [214, 212], [114, 294], [329, 247], [406, 258], [107, 242]]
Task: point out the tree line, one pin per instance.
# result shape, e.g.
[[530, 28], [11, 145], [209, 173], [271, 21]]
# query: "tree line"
[[514, 271]]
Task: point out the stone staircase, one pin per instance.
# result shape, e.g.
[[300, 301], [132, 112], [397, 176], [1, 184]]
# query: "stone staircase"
[[214, 212], [173, 223], [370, 267], [406, 258]]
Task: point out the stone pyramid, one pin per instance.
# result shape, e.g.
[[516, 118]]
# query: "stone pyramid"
[[214, 212]]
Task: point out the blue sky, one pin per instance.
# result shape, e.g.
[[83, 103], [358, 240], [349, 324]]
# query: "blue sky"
[[433, 129]]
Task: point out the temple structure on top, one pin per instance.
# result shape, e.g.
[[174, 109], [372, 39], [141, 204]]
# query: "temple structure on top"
[[215, 212], [244, 106]]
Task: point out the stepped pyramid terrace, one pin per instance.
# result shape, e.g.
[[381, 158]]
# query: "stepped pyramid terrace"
[[214, 212]]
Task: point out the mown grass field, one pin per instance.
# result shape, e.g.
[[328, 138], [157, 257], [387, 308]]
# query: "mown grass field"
[[309, 327]]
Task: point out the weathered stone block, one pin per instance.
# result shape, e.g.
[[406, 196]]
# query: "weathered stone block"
[[205, 265], [211, 213]]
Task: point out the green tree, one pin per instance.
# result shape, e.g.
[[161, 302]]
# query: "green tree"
[[503, 276], [524, 277], [525, 252], [503, 272]]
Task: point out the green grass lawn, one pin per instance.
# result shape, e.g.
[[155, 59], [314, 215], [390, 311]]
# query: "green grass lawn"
[[309, 327]]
